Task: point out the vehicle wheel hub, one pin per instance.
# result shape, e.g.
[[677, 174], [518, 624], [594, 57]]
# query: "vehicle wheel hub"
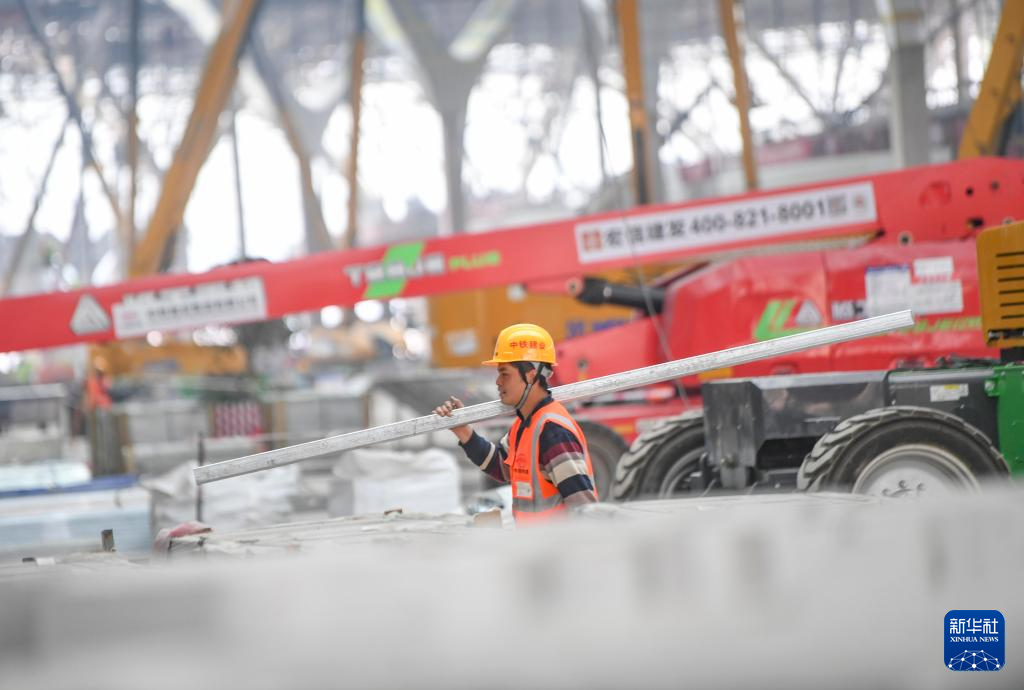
[[913, 471]]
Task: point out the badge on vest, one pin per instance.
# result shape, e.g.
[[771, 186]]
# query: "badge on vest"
[[523, 490]]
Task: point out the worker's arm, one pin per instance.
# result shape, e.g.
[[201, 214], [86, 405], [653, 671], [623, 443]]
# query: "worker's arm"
[[563, 464], [489, 457]]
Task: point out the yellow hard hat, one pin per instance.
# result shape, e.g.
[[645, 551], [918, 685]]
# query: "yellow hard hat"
[[523, 342]]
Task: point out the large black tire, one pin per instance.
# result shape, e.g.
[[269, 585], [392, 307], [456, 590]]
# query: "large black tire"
[[606, 447], [901, 451], [661, 459]]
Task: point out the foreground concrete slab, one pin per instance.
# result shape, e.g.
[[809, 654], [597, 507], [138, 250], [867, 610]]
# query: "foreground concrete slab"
[[775, 591]]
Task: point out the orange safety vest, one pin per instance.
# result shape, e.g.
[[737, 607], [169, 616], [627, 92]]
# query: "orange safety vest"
[[96, 395], [534, 498]]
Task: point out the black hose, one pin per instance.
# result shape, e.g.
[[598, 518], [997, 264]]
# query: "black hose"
[[600, 291]]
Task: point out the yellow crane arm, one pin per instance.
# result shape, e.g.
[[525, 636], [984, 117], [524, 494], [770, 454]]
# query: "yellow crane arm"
[[200, 133], [1000, 89]]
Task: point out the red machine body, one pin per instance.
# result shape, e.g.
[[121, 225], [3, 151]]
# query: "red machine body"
[[759, 298], [923, 258], [750, 299]]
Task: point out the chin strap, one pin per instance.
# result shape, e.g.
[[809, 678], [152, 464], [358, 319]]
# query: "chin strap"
[[542, 369]]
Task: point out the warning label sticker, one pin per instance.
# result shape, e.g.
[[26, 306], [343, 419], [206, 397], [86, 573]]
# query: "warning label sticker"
[[89, 317], [934, 268], [190, 307], [894, 288], [948, 393]]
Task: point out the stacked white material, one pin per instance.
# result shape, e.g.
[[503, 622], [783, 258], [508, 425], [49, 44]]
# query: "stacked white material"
[[373, 480], [367, 481], [254, 501], [794, 591]]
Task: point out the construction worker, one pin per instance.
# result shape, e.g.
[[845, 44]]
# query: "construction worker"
[[101, 428], [97, 386], [544, 454]]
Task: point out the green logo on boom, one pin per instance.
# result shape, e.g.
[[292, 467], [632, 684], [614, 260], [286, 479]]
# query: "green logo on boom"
[[401, 262], [776, 316]]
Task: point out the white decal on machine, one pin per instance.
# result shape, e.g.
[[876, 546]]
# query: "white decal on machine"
[[929, 291], [934, 268], [190, 307], [947, 393], [728, 222]]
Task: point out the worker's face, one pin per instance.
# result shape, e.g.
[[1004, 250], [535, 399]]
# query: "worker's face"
[[510, 384]]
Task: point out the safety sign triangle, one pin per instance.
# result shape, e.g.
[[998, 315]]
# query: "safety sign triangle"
[[89, 317], [808, 316]]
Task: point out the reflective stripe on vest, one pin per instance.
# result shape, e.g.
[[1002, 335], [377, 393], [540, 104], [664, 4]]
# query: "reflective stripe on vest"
[[533, 496]]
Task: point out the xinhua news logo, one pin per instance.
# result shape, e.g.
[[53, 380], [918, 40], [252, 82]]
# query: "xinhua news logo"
[[975, 640]]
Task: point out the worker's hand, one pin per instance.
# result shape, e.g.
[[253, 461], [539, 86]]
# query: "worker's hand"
[[464, 432]]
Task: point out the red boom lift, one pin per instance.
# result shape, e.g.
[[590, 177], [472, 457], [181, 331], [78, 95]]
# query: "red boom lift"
[[892, 212], [763, 265]]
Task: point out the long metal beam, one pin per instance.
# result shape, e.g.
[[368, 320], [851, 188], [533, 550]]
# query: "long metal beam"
[[74, 111], [7, 282], [728, 10], [448, 73], [632, 67], [215, 88], [1000, 90], [134, 60], [318, 239], [574, 391], [355, 98]]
